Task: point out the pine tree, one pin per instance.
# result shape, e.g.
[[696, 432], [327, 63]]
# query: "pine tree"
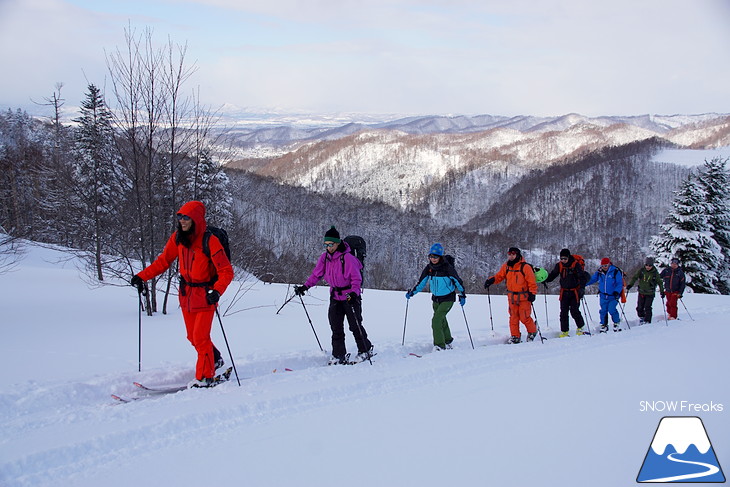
[[715, 181], [688, 237], [97, 174]]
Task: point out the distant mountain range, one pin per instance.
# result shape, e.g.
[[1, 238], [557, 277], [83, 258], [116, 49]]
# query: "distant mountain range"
[[478, 183]]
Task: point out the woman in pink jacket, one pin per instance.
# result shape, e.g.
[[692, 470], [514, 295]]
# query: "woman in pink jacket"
[[342, 271]]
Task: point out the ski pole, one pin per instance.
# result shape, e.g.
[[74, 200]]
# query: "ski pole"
[[539, 332], [233, 364], [140, 292], [547, 316], [359, 327], [467, 327], [310, 323], [489, 300], [405, 320], [685, 308], [626, 320], [285, 303], [587, 311], [664, 309]]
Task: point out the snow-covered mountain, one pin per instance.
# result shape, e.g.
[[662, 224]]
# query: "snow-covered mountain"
[[402, 162]]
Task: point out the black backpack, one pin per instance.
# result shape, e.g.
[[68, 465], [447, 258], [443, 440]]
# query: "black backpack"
[[450, 260], [222, 236], [358, 248]]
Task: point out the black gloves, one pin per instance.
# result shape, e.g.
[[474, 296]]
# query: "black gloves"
[[488, 282], [137, 282], [629, 287], [300, 290], [530, 297], [213, 296], [616, 295], [352, 297], [662, 295]]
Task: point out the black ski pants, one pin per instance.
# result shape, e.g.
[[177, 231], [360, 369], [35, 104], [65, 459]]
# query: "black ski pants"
[[337, 312], [570, 304], [644, 307]]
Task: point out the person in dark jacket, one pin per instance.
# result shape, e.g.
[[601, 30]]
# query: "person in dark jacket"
[[674, 283], [202, 281], [572, 287], [648, 279], [342, 271], [443, 282]]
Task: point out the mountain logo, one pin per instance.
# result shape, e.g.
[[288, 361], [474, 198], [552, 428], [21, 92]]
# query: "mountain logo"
[[681, 452]]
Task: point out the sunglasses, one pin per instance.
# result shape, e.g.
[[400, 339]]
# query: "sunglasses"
[[434, 256], [329, 244], [183, 217]]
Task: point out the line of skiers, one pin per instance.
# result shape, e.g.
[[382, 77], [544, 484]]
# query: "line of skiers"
[[205, 273]]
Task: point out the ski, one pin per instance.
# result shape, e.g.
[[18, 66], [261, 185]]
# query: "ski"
[[218, 379]]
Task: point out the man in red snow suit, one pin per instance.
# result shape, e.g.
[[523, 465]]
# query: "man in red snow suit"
[[202, 281]]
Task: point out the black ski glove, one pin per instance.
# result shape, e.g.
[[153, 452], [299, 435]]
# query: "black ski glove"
[[488, 282], [352, 297], [213, 296], [662, 295], [300, 290], [137, 282], [530, 297], [628, 288]]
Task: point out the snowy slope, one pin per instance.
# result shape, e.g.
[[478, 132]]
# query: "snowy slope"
[[566, 412]]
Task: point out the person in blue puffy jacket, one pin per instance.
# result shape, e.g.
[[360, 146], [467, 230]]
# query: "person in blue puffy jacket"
[[443, 282], [610, 281]]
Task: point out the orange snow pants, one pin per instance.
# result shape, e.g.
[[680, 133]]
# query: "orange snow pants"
[[198, 326], [520, 310]]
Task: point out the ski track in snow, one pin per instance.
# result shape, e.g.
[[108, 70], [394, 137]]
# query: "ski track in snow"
[[306, 387]]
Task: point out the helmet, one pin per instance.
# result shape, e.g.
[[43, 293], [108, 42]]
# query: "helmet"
[[540, 274]]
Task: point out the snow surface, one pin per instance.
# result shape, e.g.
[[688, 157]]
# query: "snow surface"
[[568, 412], [690, 157]]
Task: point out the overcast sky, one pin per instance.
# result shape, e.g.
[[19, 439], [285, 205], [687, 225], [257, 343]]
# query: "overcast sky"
[[500, 57]]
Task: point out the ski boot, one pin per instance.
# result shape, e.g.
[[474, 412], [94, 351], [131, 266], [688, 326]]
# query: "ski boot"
[[579, 331], [564, 334], [616, 327], [339, 360], [531, 336], [514, 339], [604, 329]]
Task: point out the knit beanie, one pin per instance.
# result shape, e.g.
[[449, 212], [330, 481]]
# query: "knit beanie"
[[436, 249], [565, 253], [332, 235], [605, 261], [649, 261], [514, 250]]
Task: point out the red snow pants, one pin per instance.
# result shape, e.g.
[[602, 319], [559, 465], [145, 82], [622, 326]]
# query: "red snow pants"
[[198, 325]]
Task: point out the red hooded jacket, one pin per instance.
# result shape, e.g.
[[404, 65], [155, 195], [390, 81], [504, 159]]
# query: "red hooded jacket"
[[195, 266]]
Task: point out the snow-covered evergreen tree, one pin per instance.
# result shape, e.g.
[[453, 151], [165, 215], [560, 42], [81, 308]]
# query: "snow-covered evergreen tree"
[[209, 184], [687, 236], [97, 174], [716, 183]]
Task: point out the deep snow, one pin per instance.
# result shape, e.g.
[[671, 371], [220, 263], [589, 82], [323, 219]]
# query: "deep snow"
[[569, 412]]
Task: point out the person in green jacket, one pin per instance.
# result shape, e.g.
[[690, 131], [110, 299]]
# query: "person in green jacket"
[[648, 279]]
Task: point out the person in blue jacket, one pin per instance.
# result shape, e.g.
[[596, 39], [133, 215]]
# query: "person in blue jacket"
[[444, 283], [610, 281]]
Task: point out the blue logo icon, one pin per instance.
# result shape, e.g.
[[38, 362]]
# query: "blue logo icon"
[[681, 452]]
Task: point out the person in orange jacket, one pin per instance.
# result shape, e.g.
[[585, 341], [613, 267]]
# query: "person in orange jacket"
[[203, 278], [521, 292]]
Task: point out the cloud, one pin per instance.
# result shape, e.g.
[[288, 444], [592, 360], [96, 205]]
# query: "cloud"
[[411, 56]]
